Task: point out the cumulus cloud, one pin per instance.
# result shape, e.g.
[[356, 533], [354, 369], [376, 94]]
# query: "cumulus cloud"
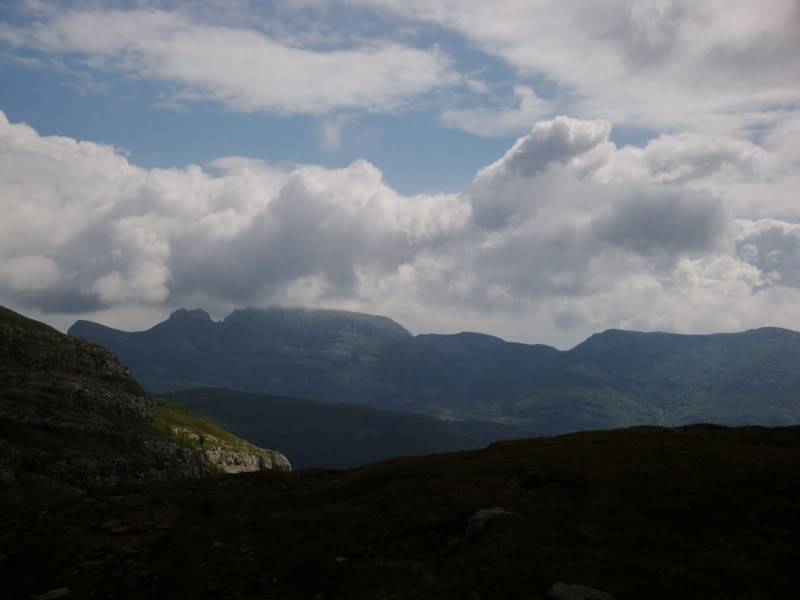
[[664, 221], [563, 235], [502, 190], [681, 158], [119, 233], [773, 247], [556, 141], [245, 69]]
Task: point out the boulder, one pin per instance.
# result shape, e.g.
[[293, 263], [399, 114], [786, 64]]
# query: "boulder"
[[477, 522]]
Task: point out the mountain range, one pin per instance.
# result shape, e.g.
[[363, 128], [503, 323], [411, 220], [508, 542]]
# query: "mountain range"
[[107, 492], [613, 379]]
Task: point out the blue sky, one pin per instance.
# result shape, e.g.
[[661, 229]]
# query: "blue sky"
[[412, 148], [127, 115], [539, 170]]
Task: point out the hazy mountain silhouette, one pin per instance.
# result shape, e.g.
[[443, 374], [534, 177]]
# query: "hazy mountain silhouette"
[[614, 378]]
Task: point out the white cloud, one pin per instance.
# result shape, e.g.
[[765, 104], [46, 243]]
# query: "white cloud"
[[685, 157], [557, 141], [694, 65], [529, 108], [244, 69], [564, 235], [331, 130], [29, 273], [120, 233]]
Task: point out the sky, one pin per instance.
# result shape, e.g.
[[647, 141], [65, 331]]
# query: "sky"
[[535, 169]]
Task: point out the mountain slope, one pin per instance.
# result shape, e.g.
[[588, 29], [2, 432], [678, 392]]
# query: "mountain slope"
[[336, 435], [613, 379], [71, 418]]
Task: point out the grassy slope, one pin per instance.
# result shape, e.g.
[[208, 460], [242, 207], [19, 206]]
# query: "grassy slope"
[[698, 512], [335, 435], [169, 417]]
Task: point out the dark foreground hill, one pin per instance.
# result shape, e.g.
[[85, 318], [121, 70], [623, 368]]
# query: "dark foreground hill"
[[336, 435], [696, 512], [71, 419], [613, 379]]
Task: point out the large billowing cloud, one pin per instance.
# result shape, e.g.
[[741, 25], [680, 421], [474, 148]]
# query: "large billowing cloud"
[[108, 232], [563, 235]]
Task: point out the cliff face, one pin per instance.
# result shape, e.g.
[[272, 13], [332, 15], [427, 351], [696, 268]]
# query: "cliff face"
[[72, 418], [81, 376]]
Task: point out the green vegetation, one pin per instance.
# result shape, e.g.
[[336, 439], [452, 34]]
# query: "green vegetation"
[[176, 422]]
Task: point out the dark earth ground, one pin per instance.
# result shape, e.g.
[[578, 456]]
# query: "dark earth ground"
[[643, 513]]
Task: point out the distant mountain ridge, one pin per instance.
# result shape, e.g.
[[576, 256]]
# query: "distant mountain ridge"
[[613, 379]]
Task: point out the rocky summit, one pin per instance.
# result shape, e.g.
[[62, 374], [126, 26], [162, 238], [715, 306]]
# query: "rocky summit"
[[72, 419]]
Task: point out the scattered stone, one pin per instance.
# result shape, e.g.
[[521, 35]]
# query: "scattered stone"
[[563, 591], [477, 522], [55, 594], [114, 527]]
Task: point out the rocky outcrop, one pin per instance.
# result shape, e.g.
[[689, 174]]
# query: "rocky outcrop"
[[238, 462], [236, 457], [76, 374]]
